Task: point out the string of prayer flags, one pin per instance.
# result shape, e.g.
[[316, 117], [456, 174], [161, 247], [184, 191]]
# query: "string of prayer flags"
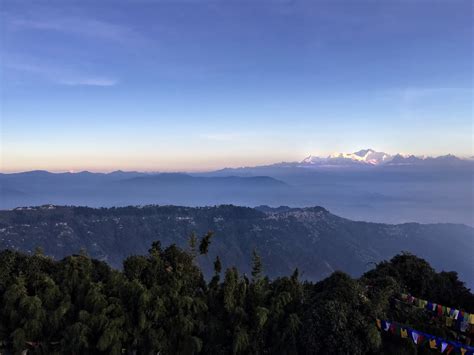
[[423, 339], [457, 319]]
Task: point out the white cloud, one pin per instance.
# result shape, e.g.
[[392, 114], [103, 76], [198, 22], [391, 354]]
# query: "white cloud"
[[62, 76], [83, 26], [90, 82], [413, 94]]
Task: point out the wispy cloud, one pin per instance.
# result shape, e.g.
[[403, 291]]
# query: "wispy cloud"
[[89, 82], [53, 68], [412, 94], [423, 103], [77, 25], [62, 76]]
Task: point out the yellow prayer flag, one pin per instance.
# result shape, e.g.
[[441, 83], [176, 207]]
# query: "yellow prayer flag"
[[403, 333]]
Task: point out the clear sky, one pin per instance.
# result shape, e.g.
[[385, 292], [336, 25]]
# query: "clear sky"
[[196, 85]]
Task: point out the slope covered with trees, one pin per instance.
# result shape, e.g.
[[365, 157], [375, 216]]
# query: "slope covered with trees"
[[313, 240], [162, 303]]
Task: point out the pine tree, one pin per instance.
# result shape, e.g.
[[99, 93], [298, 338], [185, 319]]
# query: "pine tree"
[[193, 240], [205, 242], [257, 267]]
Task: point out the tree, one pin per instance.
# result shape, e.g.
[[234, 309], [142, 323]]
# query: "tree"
[[257, 267], [193, 240], [161, 302], [205, 242], [338, 318]]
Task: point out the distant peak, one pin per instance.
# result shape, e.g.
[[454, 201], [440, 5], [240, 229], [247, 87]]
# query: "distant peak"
[[371, 157], [364, 152], [364, 156], [310, 159]]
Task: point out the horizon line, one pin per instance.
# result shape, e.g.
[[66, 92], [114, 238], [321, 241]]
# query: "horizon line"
[[203, 170]]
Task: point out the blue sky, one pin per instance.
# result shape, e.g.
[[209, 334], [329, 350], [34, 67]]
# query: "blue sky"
[[196, 85]]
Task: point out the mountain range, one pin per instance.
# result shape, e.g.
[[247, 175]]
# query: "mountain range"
[[364, 185], [365, 156], [370, 157], [313, 240]]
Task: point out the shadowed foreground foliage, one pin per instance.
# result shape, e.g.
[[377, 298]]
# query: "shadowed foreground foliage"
[[162, 303]]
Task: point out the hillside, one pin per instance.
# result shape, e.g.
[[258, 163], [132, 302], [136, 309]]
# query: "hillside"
[[310, 239], [160, 303]]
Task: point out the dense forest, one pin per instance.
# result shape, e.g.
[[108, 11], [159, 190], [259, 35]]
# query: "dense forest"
[[162, 303], [311, 239]]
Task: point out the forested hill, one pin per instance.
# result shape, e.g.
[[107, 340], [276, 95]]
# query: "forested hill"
[[311, 239], [160, 303]]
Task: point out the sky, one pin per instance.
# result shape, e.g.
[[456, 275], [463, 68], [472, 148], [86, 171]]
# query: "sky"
[[197, 85]]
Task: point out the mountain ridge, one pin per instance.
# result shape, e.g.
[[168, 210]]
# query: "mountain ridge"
[[363, 157], [311, 239], [371, 157]]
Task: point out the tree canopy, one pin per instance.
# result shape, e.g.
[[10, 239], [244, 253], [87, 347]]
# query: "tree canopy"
[[161, 302]]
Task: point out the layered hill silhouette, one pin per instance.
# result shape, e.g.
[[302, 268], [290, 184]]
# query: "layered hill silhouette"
[[364, 185]]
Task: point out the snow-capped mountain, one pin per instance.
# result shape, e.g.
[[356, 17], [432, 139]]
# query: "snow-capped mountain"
[[370, 157], [364, 156]]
